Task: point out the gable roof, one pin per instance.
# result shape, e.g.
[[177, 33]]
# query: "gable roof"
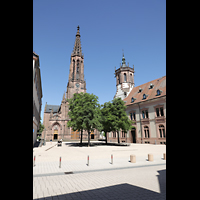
[[151, 93], [50, 107]]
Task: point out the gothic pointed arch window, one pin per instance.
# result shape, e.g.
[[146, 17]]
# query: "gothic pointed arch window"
[[77, 69], [73, 69]]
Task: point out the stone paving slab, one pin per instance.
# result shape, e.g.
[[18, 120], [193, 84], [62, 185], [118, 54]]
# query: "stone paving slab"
[[136, 183], [101, 179], [75, 158]]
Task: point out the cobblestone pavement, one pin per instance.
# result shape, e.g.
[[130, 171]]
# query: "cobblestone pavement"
[[101, 179]]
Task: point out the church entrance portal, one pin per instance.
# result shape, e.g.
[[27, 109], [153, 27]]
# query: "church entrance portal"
[[55, 135]]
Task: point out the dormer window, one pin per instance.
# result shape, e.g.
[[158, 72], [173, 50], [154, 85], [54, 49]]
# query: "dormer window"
[[151, 86], [132, 100], [158, 92], [144, 96], [140, 90]]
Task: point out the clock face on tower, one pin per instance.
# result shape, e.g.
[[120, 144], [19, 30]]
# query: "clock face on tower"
[[77, 85]]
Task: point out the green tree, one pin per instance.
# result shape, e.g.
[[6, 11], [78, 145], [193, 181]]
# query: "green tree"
[[107, 118], [121, 120], [41, 127], [84, 113]]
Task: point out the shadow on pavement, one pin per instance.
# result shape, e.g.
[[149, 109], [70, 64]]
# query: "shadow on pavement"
[[93, 144], [122, 191], [36, 144]]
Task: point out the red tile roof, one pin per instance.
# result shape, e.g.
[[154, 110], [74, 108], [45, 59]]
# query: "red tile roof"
[[159, 83]]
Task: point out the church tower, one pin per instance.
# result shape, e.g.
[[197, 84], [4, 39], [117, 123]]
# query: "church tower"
[[76, 82], [124, 80]]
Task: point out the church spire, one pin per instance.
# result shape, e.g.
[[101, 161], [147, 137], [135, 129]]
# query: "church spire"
[[77, 46]]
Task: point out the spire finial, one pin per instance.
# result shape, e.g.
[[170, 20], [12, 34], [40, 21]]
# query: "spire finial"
[[123, 59], [78, 33], [123, 52]]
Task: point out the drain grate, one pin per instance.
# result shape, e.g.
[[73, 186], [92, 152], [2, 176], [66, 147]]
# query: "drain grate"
[[68, 172]]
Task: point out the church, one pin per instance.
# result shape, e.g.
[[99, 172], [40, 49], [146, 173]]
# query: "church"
[[56, 116], [146, 105]]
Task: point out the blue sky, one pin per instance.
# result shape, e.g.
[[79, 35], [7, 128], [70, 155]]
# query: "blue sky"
[[106, 27]]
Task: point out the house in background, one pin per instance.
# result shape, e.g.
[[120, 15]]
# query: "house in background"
[[146, 107]]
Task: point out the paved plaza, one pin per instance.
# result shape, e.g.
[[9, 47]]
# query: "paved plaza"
[[101, 179]]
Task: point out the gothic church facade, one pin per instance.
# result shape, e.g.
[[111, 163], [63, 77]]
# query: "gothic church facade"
[[56, 116]]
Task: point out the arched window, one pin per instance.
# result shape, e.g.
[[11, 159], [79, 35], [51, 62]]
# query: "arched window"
[[73, 70], [144, 96], [77, 69], [146, 131], [124, 77], [162, 131], [158, 92], [132, 100]]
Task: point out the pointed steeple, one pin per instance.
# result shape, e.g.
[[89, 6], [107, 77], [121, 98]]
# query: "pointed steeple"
[[63, 100], [77, 46]]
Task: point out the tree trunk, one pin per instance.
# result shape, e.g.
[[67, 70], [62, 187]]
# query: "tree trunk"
[[106, 137], [118, 136], [81, 136], [88, 138]]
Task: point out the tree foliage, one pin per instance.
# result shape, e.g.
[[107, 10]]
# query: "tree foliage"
[[41, 127], [107, 118], [121, 120], [84, 113]]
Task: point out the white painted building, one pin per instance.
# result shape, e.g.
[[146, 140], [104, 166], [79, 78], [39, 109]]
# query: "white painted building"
[[37, 95], [146, 107], [124, 80]]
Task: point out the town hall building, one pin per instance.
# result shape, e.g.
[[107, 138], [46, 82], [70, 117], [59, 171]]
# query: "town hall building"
[[145, 106], [56, 116]]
